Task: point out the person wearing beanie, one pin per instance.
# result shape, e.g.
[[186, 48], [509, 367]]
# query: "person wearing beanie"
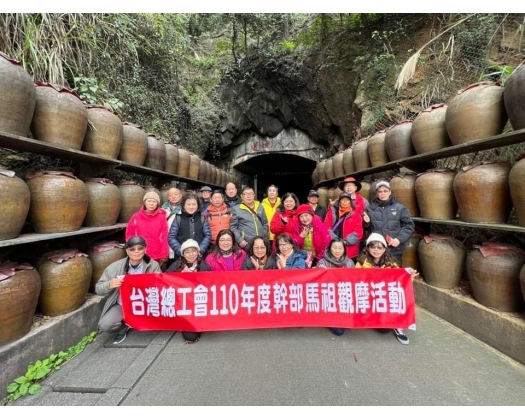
[[377, 254], [310, 233], [136, 262], [150, 223], [390, 219], [345, 223], [190, 261]]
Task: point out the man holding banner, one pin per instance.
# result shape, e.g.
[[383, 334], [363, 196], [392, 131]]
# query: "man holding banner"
[[136, 262]]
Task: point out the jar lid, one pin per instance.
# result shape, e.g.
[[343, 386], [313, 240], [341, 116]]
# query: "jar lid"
[[62, 255], [31, 175]]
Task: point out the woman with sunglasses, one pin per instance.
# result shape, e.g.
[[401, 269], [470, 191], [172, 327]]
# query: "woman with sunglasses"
[[226, 255], [259, 255], [377, 255]]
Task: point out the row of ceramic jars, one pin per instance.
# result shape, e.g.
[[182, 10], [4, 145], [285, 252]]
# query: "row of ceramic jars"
[[57, 115], [484, 192], [54, 202], [496, 272], [476, 112], [58, 285]]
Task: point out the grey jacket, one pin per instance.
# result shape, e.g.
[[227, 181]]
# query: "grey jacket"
[[119, 268], [245, 225]]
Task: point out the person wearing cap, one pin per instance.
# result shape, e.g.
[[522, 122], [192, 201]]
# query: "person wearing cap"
[[270, 204], [205, 198], [226, 254], [345, 223], [386, 216], [150, 223], [313, 199], [191, 261], [352, 186], [248, 218], [310, 233], [218, 215], [376, 254], [136, 262], [190, 224], [231, 199]]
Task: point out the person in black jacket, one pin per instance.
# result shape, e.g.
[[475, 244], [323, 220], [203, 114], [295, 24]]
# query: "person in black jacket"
[[313, 199], [259, 255], [231, 199], [384, 215]]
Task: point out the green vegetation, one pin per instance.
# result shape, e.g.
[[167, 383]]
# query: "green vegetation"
[[29, 383]]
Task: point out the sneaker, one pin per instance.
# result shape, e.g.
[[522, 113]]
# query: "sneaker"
[[337, 331], [400, 335], [120, 336]]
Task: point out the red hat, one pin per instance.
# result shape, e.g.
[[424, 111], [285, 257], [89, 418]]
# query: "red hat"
[[341, 184], [305, 208]]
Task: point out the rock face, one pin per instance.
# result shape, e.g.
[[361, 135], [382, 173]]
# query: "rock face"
[[267, 95]]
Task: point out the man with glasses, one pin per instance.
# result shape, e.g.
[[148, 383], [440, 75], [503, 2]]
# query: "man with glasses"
[[248, 218], [384, 215], [136, 262]]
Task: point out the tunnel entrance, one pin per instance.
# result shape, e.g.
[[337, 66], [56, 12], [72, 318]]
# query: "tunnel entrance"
[[290, 173]]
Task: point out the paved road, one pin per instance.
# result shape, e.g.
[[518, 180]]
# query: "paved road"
[[441, 366]]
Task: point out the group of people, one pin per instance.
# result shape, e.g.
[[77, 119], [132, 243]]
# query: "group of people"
[[222, 231]]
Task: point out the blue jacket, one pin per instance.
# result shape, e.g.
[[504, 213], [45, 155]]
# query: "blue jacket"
[[296, 260]]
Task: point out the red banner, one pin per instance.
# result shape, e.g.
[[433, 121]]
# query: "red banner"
[[216, 301]]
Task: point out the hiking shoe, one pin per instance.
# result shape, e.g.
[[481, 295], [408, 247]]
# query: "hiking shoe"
[[400, 335], [120, 336]]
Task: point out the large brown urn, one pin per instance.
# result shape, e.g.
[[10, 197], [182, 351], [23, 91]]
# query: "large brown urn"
[[517, 188], [19, 290], [429, 131], [59, 201], [134, 144], [104, 202], [476, 112], [494, 274], [435, 194], [101, 255], [398, 141], [442, 260], [17, 97], [104, 133], [14, 205], [482, 192], [66, 276], [60, 116], [403, 189]]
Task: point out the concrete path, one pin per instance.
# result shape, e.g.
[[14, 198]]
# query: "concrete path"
[[441, 366]]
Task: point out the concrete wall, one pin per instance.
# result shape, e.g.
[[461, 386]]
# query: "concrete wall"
[[59, 334]]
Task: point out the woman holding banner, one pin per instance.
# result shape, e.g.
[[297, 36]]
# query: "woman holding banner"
[[377, 255], [259, 255], [226, 255], [289, 255], [190, 262], [335, 257]]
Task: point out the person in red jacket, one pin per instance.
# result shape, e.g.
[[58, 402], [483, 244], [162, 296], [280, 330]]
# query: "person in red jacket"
[[226, 255], [310, 234], [344, 222], [283, 217], [150, 223]]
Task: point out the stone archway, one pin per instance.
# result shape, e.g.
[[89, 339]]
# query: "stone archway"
[[286, 160]]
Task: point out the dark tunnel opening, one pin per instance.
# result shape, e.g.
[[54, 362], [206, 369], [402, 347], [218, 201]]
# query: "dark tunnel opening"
[[290, 173]]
